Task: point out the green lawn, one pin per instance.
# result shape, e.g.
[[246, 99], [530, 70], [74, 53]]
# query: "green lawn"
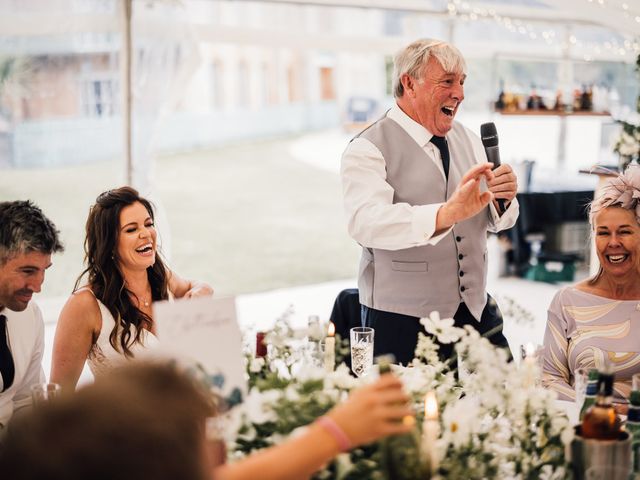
[[245, 218]]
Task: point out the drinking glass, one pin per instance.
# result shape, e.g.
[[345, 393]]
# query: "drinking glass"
[[44, 392], [361, 350], [535, 351], [580, 379], [607, 472]]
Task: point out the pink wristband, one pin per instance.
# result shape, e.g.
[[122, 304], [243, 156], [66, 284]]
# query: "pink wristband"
[[336, 432]]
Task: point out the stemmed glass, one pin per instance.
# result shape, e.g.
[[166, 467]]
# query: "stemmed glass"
[[361, 350]]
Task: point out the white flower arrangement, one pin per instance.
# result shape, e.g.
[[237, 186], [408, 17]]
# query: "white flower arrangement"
[[627, 145], [495, 421]]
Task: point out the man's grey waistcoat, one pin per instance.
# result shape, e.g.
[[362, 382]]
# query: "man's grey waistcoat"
[[416, 281]]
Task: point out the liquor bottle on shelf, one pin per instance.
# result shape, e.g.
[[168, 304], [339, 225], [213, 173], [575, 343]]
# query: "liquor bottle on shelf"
[[600, 421], [591, 391], [559, 105], [534, 102], [633, 427], [500, 104], [586, 99], [577, 95]]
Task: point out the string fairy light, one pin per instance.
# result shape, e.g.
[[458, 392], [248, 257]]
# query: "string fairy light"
[[466, 13]]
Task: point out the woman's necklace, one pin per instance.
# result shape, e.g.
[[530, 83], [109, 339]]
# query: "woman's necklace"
[[142, 301]]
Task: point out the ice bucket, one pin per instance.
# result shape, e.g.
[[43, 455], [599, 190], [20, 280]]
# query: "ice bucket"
[[587, 453]]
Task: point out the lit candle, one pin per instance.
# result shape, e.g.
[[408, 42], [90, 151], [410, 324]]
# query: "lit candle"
[[430, 432], [529, 364], [330, 348], [529, 352]]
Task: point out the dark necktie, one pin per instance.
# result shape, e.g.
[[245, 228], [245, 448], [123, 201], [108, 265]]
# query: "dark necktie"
[[441, 143], [7, 369]]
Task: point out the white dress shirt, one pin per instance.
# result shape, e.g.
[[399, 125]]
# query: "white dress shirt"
[[26, 339], [374, 221]]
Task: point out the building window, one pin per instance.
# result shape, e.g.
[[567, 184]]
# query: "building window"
[[99, 97], [265, 84], [243, 85], [216, 85], [292, 82], [327, 89], [393, 22], [388, 73]]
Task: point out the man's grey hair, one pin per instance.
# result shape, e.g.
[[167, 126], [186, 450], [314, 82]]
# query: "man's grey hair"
[[24, 229], [413, 58]]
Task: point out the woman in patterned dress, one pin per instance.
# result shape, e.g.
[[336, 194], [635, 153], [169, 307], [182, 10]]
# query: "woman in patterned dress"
[[596, 323]]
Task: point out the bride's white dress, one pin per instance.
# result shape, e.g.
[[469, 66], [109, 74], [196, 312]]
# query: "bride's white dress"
[[103, 357]]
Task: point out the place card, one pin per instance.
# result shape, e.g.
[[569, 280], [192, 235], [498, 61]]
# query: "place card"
[[205, 331]]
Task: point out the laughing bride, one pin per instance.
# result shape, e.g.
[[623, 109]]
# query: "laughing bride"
[[109, 318]]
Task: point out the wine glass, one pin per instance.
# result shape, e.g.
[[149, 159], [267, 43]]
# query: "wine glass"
[[361, 350]]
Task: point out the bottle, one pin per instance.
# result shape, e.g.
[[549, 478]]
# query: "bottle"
[[586, 99], [590, 393], [633, 427], [500, 104], [559, 104], [600, 421], [261, 346], [399, 454], [533, 102]]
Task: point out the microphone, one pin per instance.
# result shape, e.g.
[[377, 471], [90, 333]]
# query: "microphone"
[[489, 136]]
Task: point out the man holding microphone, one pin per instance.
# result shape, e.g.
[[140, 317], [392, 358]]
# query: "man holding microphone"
[[420, 198]]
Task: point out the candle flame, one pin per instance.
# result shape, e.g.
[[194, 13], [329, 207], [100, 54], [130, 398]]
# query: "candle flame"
[[331, 330], [430, 406]]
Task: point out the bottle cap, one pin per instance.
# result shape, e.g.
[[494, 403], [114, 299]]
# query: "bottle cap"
[[605, 384]]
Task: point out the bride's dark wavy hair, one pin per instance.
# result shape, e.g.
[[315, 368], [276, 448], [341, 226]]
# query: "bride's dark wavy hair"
[[103, 272]]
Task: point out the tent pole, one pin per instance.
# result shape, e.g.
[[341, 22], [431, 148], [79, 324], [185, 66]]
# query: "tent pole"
[[125, 67]]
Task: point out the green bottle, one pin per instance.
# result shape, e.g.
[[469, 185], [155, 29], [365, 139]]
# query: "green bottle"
[[591, 391], [399, 454], [633, 427]]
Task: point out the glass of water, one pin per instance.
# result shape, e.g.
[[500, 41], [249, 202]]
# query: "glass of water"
[[44, 392], [580, 379], [608, 472], [361, 350]]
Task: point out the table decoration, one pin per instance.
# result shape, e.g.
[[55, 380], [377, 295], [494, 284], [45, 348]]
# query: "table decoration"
[[627, 145], [493, 422], [430, 432], [330, 348]]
